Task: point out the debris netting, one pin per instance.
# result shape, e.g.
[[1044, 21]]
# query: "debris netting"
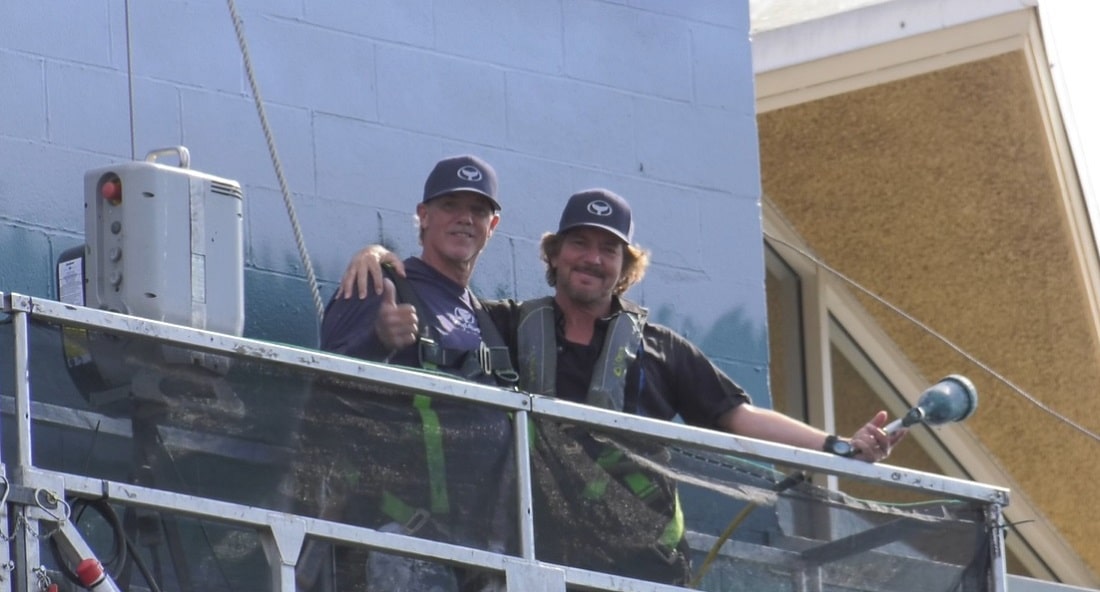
[[251, 430], [610, 502]]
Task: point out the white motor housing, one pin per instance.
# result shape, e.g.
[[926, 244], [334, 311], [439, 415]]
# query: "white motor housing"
[[165, 243]]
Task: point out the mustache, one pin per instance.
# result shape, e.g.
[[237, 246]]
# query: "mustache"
[[596, 271]]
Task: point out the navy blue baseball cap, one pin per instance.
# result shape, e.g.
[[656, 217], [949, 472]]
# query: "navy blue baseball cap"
[[598, 208], [462, 173]]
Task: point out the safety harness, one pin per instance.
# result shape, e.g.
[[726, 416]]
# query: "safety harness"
[[537, 333], [490, 363], [537, 357]]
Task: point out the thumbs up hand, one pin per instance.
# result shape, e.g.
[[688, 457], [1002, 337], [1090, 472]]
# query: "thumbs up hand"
[[396, 325]]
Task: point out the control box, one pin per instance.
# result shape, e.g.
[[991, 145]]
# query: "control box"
[[165, 243]]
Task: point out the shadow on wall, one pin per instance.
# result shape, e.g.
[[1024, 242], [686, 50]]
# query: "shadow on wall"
[[278, 304], [736, 343], [28, 260], [279, 308]]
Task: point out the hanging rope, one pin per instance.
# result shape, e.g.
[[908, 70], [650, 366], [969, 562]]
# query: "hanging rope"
[[929, 330], [130, 82], [238, 26]]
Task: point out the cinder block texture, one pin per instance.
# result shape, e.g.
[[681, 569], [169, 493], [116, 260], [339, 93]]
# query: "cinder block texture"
[[23, 113], [651, 99], [450, 97], [638, 51]]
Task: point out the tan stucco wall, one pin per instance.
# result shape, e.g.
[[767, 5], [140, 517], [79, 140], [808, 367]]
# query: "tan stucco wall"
[[939, 194]]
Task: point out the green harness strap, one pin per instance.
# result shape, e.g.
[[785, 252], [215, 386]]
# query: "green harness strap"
[[399, 510], [496, 366], [537, 337], [674, 530], [643, 487], [433, 449]]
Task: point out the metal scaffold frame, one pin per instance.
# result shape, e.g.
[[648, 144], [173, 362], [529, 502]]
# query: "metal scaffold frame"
[[35, 498]]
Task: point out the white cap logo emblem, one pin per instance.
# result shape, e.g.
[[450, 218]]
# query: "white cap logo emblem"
[[469, 173], [599, 207]]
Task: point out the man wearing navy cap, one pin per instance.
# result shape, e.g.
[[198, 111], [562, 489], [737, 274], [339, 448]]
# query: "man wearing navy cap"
[[428, 318], [456, 218], [589, 344]]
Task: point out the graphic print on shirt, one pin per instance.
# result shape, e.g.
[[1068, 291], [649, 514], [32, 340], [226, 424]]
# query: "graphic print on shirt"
[[459, 328], [464, 320]]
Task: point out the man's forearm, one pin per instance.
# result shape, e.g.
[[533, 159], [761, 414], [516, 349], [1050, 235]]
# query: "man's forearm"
[[766, 424], [870, 442]]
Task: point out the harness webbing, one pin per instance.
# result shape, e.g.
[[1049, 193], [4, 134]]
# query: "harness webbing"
[[537, 337], [537, 347], [433, 448], [491, 360], [674, 530]]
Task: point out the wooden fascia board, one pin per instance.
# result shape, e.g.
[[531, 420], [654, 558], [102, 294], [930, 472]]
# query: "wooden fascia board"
[[902, 58]]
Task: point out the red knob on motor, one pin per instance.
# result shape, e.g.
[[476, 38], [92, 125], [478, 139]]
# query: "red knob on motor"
[[91, 574]]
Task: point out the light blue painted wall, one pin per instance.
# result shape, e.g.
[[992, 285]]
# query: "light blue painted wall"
[[653, 98]]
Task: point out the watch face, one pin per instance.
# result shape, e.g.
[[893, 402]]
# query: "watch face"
[[842, 448]]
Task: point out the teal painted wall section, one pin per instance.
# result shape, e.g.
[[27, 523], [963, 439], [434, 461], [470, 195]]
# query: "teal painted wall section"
[[651, 98]]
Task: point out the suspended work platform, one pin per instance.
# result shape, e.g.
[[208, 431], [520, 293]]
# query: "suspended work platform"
[[183, 459]]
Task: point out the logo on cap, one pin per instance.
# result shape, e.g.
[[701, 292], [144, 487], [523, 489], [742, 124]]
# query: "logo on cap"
[[469, 173], [599, 207]]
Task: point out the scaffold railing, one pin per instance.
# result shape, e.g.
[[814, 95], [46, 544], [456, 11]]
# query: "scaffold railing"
[[181, 459]]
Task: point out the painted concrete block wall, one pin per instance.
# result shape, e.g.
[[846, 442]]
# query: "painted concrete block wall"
[[652, 98]]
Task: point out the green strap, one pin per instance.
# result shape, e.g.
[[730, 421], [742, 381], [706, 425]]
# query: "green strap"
[[395, 509], [643, 487], [595, 488], [674, 530], [640, 485], [609, 457], [433, 452]]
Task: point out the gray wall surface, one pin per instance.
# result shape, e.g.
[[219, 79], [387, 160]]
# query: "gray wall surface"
[[651, 98]]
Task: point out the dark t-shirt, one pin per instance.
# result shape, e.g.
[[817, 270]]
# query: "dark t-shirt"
[[671, 378]]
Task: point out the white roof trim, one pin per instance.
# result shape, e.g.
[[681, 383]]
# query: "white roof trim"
[[869, 26], [766, 15], [1063, 80], [900, 58]]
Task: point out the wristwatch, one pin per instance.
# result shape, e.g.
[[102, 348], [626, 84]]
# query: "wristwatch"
[[837, 446]]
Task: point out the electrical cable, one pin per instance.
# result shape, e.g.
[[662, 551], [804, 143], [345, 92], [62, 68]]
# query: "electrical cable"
[[790, 481], [129, 549], [713, 553], [930, 331], [311, 277], [125, 551], [174, 465]]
